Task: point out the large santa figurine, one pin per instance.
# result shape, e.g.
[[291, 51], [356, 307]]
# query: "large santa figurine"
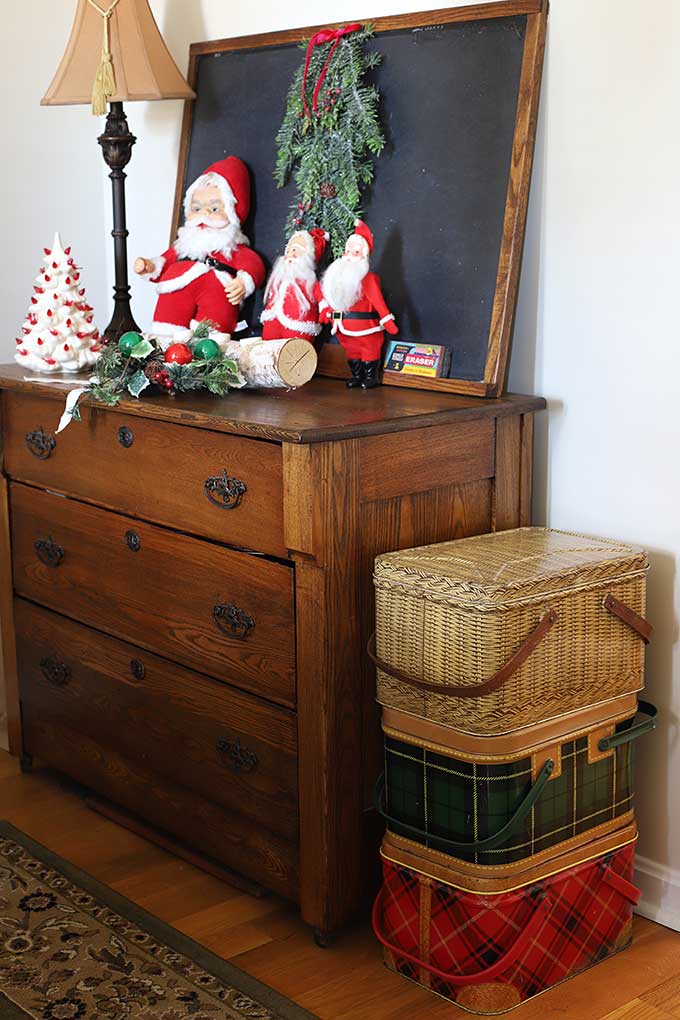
[[351, 299], [210, 269], [290, 304]]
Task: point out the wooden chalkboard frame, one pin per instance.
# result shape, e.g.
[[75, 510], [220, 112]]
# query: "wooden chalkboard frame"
[[332, 360]]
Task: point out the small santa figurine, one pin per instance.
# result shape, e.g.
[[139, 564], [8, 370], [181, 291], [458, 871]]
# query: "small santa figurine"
[[210, 269], [350, 297], [290, 306]]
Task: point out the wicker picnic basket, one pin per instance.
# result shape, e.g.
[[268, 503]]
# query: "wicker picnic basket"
[[501, 631]]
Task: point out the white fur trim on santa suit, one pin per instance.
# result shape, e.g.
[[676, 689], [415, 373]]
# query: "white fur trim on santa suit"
[[386, 318], [247, 281], [158, 265], [168, 333], [337, 326], [276, 312], [179, 282]]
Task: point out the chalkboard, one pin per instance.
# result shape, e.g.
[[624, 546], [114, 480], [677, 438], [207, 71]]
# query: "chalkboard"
[[447, 208]]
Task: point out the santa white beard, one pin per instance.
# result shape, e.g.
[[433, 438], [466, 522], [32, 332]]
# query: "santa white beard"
[[195, 242], [298, 276], [341, 283]]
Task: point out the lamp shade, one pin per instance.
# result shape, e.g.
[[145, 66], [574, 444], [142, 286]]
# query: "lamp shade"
[[142, 65]]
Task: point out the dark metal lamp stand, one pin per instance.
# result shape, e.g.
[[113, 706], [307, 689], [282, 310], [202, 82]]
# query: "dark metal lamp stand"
[[116, 142]]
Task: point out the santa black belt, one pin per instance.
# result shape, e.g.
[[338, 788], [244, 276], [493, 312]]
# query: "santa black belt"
[[338, 316], [212, 263]]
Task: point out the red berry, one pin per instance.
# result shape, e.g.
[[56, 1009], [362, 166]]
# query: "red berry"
[[19, 341], [76, 276], [49, 361], [95, 348], [21, 351], [68, 279], [89, 318], [66, 347], [69, 323], [81, 336], [25, 331], [48, 251], [39, 290], [54, 332], [82, 292], [67, 251], [55, 265], [49, 313], [40, 341], [70, 262], [55, 296], [34, 300], [48, 278]]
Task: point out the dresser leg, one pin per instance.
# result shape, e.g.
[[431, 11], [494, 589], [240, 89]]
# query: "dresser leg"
[[26, 763], [323, 939]]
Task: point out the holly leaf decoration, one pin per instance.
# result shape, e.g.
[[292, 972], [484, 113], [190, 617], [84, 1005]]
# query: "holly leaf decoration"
[[138, 383]]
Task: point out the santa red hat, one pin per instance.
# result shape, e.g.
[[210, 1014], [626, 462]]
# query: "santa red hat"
[[362, 231], [230, 175], [315, 241]]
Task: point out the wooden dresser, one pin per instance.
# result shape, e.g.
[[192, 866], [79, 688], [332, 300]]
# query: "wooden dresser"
[[191, 598]]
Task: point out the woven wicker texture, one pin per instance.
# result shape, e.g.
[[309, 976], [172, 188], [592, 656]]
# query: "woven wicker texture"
[[456, 612]]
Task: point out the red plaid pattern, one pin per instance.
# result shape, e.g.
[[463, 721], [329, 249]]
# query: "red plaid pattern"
[[529, 939]]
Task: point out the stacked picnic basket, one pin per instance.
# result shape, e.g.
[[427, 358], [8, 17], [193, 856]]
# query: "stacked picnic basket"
[[508, 670]]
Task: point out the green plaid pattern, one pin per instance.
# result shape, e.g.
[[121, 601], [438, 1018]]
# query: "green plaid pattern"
[[460, 800]]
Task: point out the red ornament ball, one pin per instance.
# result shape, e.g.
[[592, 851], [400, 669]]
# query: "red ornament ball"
[[179, 354]]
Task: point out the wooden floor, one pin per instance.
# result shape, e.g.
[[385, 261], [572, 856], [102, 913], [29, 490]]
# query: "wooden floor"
[[265, 938]]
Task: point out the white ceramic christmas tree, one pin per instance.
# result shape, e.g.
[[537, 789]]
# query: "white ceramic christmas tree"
[[59, 334]]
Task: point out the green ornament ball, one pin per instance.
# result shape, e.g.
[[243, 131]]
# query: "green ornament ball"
[[128, 341], [206, 350]]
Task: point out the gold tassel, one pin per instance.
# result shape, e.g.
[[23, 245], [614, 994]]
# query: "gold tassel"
[[105, 81]]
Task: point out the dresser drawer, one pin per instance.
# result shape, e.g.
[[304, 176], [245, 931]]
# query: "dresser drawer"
[[198, 823], [215, 610], [220, 486], [229, 747]]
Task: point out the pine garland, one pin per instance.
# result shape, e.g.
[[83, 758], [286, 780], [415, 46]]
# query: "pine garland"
[[330, 152]]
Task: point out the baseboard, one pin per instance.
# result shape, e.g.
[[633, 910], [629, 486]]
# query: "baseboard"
[[660, 887]]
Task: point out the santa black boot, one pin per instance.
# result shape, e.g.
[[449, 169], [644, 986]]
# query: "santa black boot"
[[357, 370], [371, 375]]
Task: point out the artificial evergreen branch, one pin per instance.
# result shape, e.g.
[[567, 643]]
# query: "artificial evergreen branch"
[[329, 153]]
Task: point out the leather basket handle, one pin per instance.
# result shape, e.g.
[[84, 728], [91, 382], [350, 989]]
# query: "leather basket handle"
[[625, 737], [519, 814], [628, 616], [477, 690], [521, 943], [622, 885]]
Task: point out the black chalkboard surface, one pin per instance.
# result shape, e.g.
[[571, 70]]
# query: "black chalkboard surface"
[[458, 105]]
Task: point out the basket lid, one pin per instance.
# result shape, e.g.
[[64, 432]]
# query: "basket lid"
[[509, 567]]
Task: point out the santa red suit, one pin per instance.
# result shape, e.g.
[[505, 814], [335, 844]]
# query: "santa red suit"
[[291, 309], [359, 326], [191, 281]]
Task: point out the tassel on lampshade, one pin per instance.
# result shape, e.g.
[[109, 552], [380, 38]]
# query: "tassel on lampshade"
[[116, 54]]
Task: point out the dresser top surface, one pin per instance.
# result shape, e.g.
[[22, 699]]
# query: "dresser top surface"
[[322, 411]]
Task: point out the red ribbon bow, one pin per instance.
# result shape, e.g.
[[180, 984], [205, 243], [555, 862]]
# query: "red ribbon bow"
[[326, 35]]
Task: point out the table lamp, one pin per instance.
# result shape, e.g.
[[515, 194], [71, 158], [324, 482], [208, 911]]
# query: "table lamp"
[[116, 53]]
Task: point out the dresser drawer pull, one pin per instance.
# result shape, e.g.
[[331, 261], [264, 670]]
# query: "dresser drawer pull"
[[48, 552], [138, 669], [58, 673], [40, 443], [125, 437], [232, 621], [133, 541], [225, 492], [242, 758]]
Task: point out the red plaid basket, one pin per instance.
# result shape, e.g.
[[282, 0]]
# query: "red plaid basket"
[[489, 953]]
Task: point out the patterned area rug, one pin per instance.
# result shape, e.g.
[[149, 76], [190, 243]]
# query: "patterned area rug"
[[72, 949]]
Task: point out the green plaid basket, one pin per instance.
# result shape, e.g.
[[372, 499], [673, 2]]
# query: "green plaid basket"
[[494, 814]]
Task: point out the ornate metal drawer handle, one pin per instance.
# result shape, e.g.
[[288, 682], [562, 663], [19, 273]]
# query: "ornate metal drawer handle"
[[225, 492], [126, 436], [57, 672], [48, 552], [242, 758], [232, 621], [40, 443], [133, 541]]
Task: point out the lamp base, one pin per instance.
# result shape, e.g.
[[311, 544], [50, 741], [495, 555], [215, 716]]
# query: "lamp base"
[[116, 142]]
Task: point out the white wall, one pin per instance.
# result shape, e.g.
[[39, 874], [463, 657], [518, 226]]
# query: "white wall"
[[596, 326]]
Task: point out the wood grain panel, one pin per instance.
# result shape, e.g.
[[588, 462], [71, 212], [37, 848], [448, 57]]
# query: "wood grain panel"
[[8, 651], [430, 458], [162, 596], [227, 837], [322, 410], [508, 483], [170, 719], [161, 476]]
